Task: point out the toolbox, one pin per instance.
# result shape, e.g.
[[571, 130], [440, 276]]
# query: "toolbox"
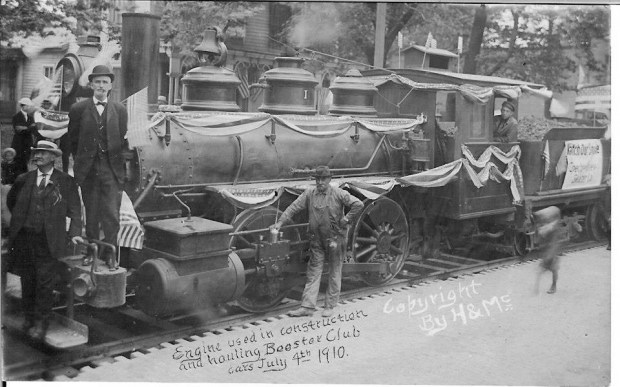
[[185, 237]]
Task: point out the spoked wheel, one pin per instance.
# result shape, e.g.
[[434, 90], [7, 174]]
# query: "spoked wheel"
[[596, 224], [519, 243], [261, 292], [381, 234]]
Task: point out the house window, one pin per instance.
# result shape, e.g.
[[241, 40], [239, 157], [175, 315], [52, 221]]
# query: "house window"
[[279, 14], [48, 71]]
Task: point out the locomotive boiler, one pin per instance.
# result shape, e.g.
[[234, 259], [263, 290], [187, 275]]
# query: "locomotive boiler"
[[206, 180]]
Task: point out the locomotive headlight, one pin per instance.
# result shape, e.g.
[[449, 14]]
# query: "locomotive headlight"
[[71, 71]]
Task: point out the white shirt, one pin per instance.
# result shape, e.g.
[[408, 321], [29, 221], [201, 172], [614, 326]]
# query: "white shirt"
[[100, 108], [40, 176]]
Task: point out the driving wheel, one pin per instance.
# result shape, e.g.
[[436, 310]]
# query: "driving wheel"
[[381, 234]]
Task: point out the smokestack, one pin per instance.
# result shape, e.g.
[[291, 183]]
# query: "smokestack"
[[140, 54]]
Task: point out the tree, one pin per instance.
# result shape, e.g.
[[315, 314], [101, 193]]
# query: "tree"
[[475, 40], [534, 43], [24, 19], [347, 29], [183, 22]]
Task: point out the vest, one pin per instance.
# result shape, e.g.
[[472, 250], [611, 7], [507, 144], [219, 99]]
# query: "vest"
[[102, 138], [35, 219]]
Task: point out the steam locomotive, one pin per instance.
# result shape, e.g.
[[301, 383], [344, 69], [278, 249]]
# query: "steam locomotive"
[[207, 180]]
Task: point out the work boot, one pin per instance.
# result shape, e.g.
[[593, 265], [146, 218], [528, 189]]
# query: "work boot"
[[301, 312], [327, 312]]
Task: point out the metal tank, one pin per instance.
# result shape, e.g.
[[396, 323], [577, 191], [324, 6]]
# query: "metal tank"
[[186, 155], [210, 86], [289, 88], [353, 94]]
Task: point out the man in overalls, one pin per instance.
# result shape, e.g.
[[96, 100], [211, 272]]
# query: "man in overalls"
[[328, 232]]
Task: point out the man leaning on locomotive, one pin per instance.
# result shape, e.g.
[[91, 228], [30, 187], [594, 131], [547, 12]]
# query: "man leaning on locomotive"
[[506, 127], [40, 201], [325, 206]]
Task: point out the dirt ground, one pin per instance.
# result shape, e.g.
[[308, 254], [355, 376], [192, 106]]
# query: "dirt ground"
[[490, 328]]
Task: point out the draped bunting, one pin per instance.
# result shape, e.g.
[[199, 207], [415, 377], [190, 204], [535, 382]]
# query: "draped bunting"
[[251, 198], [436, 177], [473, 93], [260, 195], [231, 124], [264, 194], [442, 175], [370, 190], [513, 154]]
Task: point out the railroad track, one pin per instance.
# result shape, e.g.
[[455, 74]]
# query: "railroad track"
[[126, 332]]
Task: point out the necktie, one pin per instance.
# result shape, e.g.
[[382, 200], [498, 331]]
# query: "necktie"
[[42, 183], [101, 103]]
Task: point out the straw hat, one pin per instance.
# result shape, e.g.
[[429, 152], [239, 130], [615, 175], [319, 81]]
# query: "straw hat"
[[49, 146]]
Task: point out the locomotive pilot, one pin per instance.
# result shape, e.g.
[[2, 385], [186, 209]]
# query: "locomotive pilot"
[[325, 206], [97, 129], [506, 127]]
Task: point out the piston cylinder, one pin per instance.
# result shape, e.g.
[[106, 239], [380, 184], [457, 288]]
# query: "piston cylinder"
[[167, 287], [290, 89]]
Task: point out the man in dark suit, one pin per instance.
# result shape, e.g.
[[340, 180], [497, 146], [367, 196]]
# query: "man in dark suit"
[[40, 201], [24, 131], [97, 129]]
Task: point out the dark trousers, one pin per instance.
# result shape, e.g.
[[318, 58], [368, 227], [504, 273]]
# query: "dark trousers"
[[65, 147], [102, 193], [22, 143], [38, 272]]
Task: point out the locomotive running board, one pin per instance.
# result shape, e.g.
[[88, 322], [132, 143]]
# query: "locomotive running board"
[[63, 332]]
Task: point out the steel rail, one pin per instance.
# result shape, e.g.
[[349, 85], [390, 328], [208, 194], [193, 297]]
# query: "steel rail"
[[83, 357]]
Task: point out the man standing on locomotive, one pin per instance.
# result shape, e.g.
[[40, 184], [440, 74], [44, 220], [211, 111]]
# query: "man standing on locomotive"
[[328, 231], [97, 129], [506, 127], [40, 201]]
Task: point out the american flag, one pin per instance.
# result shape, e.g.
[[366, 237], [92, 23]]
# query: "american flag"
[[242, 74], [130, 233], [546, 159]]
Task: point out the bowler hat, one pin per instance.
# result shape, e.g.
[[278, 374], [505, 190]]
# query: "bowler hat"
[[100, 70], [45, 145], [322, 171], [25, 101], [509, 105]]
